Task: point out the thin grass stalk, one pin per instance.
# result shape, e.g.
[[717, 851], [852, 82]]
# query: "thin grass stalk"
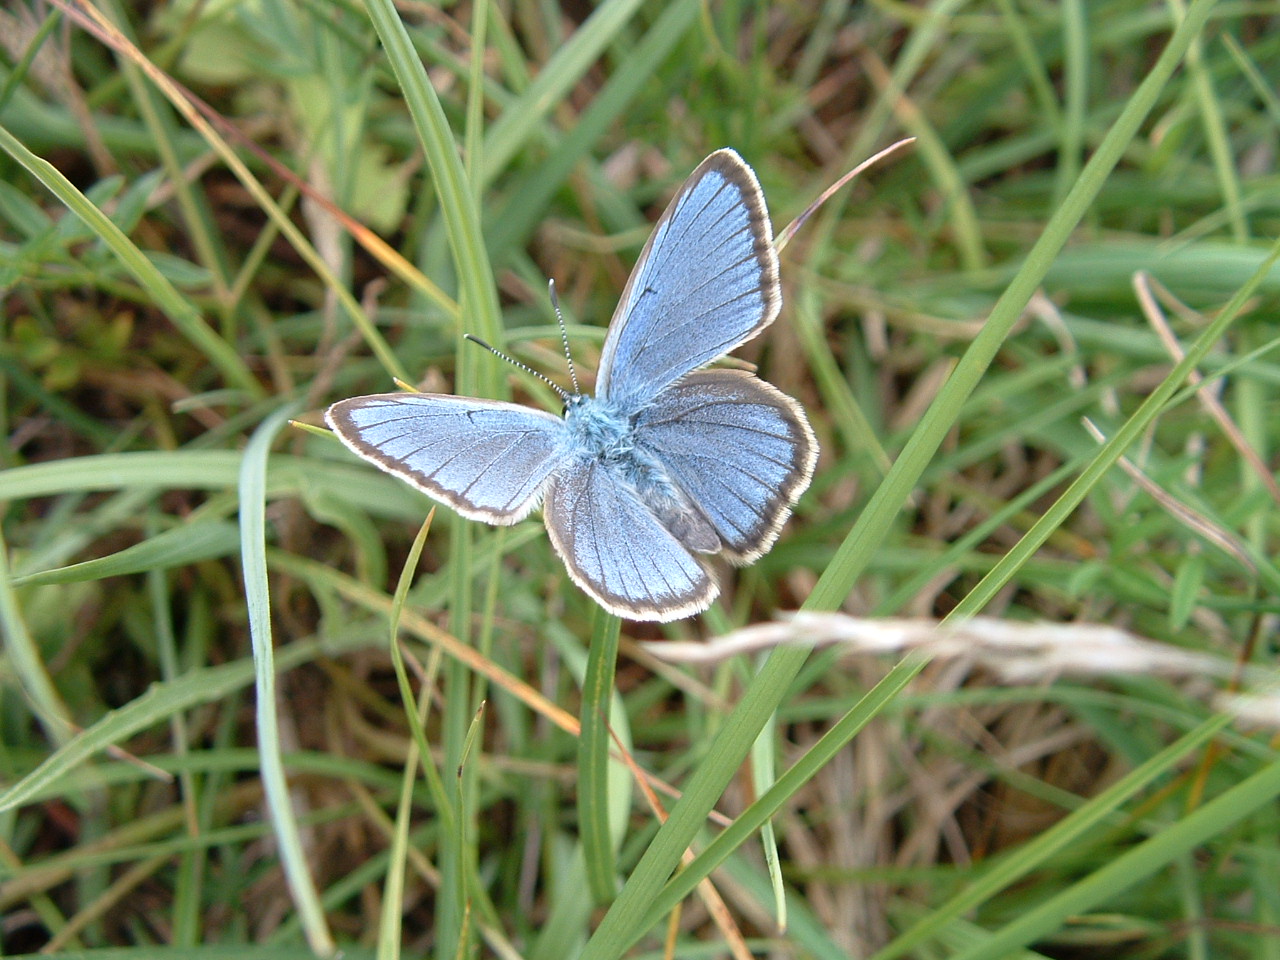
[[594, 745], [253, 532]]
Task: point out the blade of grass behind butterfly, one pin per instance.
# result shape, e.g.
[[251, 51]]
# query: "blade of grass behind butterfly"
[[416, 716], [552, 84], [457, 205], [478, 302], [473, 143], [474, 154], [920, 46], [1075, 95], [625, 921], [253, 532]]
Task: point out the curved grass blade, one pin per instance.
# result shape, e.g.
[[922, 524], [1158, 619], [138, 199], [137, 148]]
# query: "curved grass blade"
[[253, 533]]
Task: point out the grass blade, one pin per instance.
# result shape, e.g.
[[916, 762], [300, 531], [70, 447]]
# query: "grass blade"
[[253, 532]]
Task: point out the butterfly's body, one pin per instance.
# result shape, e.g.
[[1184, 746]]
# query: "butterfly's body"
[[667, 460], [607, 435]]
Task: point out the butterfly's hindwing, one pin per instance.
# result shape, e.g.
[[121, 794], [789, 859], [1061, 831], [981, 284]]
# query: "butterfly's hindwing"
[[706, 282], [740, 449], [487, 459], [616, 549]]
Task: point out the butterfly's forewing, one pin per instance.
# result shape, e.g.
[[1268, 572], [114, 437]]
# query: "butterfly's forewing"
[[616, 549], [706, 282], [740, 449], [487, 459]]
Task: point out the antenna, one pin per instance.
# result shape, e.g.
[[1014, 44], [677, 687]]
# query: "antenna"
[[523, 366], [564, 334]]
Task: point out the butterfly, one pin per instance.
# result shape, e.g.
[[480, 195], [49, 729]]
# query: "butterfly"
[[668, 461]]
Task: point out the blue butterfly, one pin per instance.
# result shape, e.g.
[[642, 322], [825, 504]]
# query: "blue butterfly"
[[668, 460]]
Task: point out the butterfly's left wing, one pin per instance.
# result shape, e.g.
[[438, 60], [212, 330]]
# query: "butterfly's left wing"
[[706, 282], [486, 459], [740, 449], [617, 550]]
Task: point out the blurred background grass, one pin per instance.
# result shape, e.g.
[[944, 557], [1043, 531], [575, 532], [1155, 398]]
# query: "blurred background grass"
[[215, 216]]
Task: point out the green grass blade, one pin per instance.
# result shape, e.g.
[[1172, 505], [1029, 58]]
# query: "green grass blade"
[[24, 655], [190, 543], [457, 200], [783, 789], [626, 920], [1217, 135], [253, 532], [157, 705], [528, 199], [594, 745], [1075, 58], [554, 80]]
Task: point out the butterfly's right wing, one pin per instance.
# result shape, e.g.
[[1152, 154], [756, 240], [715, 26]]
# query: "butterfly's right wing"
[[486, 459], [617, 551], [706, 282]]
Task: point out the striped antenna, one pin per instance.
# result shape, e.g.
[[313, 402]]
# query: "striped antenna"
[[564, 335], [523, 366]]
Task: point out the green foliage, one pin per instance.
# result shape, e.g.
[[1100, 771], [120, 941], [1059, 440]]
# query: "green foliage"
[[244, 706]]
